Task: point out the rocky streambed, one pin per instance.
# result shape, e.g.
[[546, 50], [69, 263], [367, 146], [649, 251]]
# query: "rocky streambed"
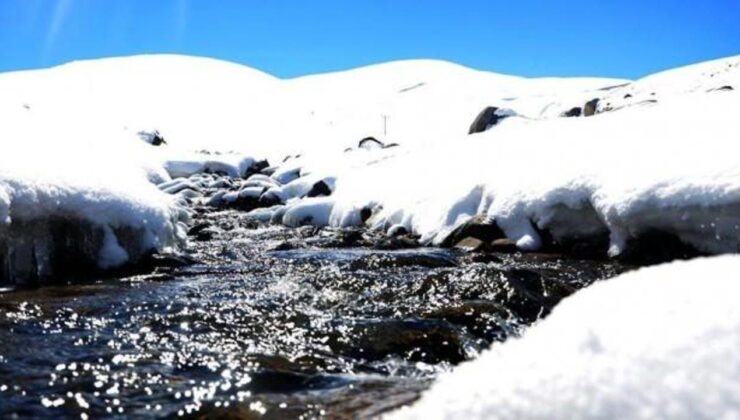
[[263, 320]]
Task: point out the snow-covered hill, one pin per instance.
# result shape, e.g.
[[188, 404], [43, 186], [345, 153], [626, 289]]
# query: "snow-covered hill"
[[203, 103], [658, 154]]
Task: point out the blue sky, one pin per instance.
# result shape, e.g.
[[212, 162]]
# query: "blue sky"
[[627, 38]]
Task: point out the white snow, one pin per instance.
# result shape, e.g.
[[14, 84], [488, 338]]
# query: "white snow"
[[659, 343], [197, 103], [668, 166], [45, 179], [66, 159], [233, 165], [71, 145]]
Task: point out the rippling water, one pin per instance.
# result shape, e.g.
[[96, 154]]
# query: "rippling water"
[[307, 331]]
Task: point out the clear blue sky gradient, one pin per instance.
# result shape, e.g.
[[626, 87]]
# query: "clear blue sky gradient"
[[626, 38]]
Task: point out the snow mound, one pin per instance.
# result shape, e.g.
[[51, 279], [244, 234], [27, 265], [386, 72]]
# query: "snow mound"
[[76, 199], [657, 343], [59, 220]]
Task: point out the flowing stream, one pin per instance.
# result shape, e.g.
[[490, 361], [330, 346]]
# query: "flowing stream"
[[270, 322]]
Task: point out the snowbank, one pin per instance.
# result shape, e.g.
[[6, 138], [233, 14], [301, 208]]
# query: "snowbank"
[[67, 204], [77, 197], [666, 166], [657, 343]]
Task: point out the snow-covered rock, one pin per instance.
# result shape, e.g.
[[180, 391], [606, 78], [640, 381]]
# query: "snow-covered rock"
[[61, 217], [153, 137], [657, 343], [489, 117]]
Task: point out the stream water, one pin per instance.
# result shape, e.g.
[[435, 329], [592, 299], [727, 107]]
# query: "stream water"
[[269, 322]]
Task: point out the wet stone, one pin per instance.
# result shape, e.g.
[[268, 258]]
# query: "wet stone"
[[428, 341], [484, 319]]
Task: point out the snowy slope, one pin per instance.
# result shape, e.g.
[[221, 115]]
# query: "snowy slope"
[[203, 103], [197, 101], [659, 343], [424, 102]]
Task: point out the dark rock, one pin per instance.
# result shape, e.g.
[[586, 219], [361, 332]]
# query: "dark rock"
[[202, 232], [723, 88], [589, 247], [369, 143], [158, 141], [152, 137], [279, 381], [269, 199], [198, 228], [397, 230], [487, 118], [74, 250], [350, 237], [319, 189], [478, 228], [289, 157], [365, 214], [205, 235], [590, 108], [528, 294], [612, 87], [477, 316], [627, 96], [282, 246], [428, 341], [655, 247], [503, 245], [573, 112], [256, 168], [648, 101], [245, 202], [52, 251], [388, 146]]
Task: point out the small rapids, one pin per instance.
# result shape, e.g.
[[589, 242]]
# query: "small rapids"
[[269, 322]]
